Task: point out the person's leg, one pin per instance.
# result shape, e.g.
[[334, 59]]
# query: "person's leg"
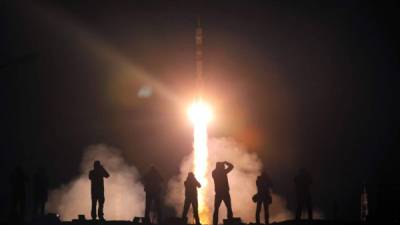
[[186, 206], [195, 206], [258, 209], [101, 206], [299, 209], [147, 208], [42, 208], [310, 208], [227, 201], [266, 213], [158, 208], [94, 201], [217, 203]]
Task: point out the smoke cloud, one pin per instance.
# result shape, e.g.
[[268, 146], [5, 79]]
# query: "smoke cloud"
[[124, 194], [241, 180]]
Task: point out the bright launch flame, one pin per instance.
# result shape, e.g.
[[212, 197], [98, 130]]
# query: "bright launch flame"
[[200, 114]]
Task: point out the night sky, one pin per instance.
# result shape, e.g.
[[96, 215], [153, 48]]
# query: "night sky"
[[302, 85]]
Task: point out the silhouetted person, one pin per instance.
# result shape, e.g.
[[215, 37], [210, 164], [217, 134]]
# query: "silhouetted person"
[[263, 196], [303, 181], [191, 185], [153, 187], [40, 191], [18, 181], [97, 188], [221, 184]]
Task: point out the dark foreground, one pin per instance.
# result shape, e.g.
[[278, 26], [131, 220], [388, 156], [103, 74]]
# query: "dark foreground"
[[289, 222]]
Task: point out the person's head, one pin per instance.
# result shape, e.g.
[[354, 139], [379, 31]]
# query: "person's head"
[[152, 170], [96, 164], [219, 166], [190, 175], [264, 174]]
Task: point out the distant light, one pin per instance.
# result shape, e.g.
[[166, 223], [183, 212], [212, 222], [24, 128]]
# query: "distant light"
[[145, 92]]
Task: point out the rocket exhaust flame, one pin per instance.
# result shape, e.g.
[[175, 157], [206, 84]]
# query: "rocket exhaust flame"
[[200, 114]]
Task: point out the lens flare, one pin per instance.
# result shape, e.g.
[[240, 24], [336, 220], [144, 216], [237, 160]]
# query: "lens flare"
[[200, 114]]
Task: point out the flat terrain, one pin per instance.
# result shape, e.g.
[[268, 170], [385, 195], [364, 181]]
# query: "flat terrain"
[[290, 222]]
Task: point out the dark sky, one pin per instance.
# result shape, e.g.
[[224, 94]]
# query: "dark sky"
[[303, 85]]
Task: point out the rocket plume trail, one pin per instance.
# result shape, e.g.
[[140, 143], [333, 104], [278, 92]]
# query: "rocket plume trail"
[[200, 114]]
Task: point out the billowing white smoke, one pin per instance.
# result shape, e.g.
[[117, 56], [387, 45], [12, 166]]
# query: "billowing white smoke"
[[241, 180], [124, 194]]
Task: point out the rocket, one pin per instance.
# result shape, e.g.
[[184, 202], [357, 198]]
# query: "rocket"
[[199, 58]]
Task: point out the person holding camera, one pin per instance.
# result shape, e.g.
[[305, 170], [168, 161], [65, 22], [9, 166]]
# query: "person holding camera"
[[191, 185], [220, 176], [97, 188], [153, 186], [263, 196]]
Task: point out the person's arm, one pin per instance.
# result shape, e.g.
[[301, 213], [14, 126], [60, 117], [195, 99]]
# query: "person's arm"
[[230, 167], [258, 182], [197, 183], [90, 175], [105, 173]]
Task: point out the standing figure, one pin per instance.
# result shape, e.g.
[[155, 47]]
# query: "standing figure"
[[97, 188], [40, 191], [303, 182], [191, 185], [18, 181], [263, 196], [221, 184], [152, 186]]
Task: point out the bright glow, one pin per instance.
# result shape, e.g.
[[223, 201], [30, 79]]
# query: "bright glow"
[[200, 114]]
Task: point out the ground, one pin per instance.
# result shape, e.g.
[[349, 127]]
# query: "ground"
[[290, 222]]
